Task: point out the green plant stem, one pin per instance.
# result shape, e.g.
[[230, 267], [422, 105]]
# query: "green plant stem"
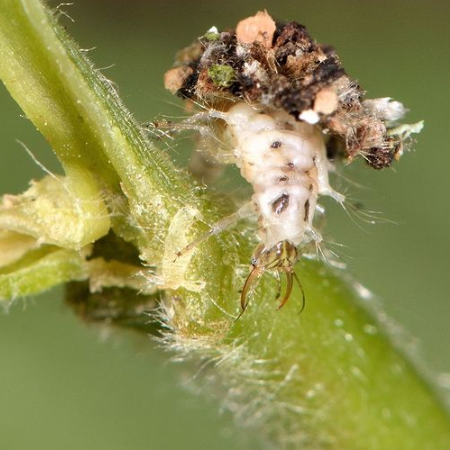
[[79, 113], [329, 378], [41, 269]]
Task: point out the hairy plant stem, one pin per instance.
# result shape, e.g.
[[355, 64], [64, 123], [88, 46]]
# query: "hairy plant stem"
[[329, 378]]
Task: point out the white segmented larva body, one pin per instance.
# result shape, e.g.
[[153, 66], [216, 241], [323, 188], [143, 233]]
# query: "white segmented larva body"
[[285, 162]]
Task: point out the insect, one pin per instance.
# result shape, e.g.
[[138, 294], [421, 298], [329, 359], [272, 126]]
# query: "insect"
[[285, 162], [281, 103]]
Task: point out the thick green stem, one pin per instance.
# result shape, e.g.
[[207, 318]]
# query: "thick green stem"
[[329, 378], [93, 135]]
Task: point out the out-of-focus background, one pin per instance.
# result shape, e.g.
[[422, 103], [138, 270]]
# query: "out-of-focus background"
[[63, 386]]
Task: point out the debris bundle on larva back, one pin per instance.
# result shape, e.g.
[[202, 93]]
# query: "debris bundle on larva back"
[[280, 106]]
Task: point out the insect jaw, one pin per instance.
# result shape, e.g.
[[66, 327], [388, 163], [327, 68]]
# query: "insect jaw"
[[281, 257]]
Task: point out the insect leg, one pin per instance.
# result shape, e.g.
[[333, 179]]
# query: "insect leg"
[[314, 235], [323, 167], [245, 211]]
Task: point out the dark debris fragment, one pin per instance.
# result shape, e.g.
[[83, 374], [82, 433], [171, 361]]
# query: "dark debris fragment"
[[275, 65]]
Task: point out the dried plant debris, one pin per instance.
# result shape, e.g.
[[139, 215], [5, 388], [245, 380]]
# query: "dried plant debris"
[[274, 65]]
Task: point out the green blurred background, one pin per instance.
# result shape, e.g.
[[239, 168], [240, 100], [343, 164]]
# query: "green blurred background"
[[64, 386]]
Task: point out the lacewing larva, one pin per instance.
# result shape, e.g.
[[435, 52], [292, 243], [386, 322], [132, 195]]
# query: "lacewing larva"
[[279, 105]]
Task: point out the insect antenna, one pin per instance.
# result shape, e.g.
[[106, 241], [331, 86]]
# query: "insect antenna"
[[302, 290], [290, 276]]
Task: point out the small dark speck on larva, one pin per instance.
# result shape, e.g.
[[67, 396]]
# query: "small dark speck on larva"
[[290, 165], [281, 204]]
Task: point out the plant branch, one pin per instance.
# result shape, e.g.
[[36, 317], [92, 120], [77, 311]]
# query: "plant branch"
[[329, 378]]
